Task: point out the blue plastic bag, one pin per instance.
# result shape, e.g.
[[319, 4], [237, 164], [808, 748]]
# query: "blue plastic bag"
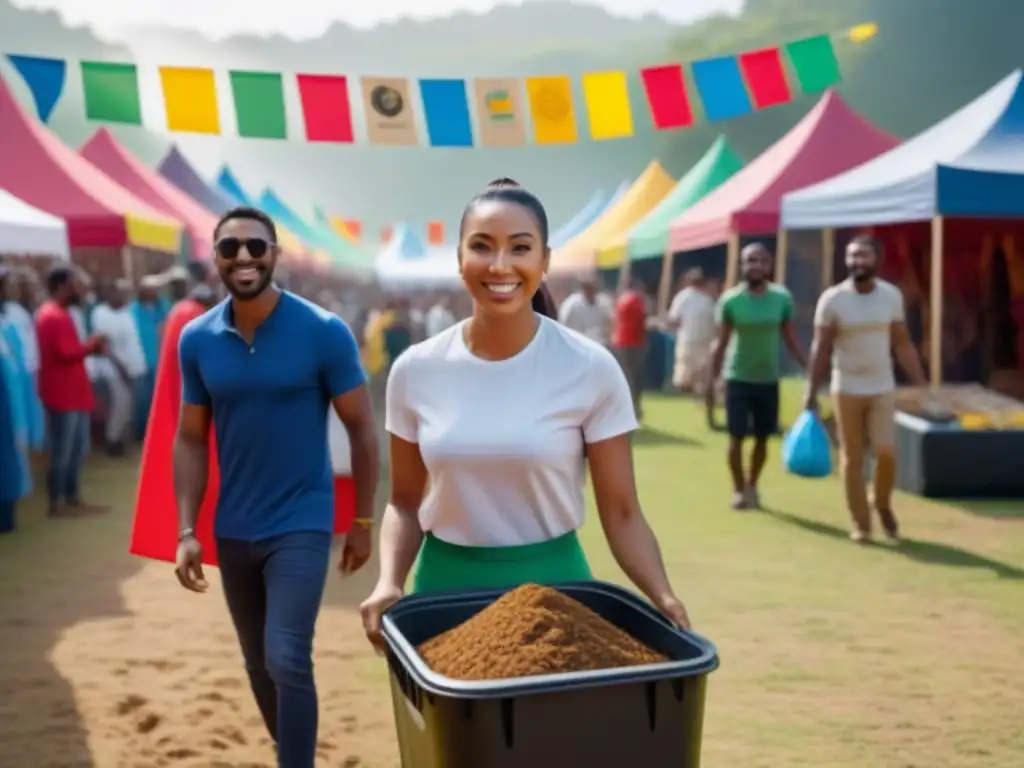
[[806, 450]]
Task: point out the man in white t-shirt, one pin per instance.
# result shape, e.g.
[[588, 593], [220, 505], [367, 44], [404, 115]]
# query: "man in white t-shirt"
[[124, 363], [692, 316], [439, 316], [588, 312], [858, 324]]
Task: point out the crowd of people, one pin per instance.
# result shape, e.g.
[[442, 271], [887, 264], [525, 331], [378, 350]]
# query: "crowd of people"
[[496, 402]]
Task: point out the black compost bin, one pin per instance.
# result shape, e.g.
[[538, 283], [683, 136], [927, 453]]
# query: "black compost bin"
[[633, 717]]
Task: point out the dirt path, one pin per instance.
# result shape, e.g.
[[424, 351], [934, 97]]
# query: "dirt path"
[[106, 662]]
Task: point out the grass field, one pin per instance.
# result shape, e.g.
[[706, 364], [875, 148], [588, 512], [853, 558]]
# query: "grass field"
[[833, 655]]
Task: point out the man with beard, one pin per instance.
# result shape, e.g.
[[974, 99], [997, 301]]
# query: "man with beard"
[[65, 389], [857, 325], [752, 318], [264, 366]]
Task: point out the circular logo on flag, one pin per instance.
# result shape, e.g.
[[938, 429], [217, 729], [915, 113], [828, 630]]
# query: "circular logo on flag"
[[550, 103], [386, 101]]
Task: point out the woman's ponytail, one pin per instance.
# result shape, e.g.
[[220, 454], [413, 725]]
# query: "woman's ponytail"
[[543, 303]]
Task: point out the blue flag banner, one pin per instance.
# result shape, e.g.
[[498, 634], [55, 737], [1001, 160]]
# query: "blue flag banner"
[[721, 88], [447, 113], [44, 78]]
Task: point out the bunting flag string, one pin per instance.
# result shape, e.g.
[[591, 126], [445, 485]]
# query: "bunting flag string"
[[453, 113]]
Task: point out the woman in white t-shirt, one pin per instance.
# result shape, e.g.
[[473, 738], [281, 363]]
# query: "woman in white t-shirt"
[[492, 425]]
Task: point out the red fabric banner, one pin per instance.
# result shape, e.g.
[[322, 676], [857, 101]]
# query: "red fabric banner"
[[766, 78], [386, 233], [355, 228], [325, 108], [667, 97], [435, 233]]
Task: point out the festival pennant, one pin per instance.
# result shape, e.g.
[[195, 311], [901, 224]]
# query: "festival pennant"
[[259, 105], [446, 111], [814, 62], [499, 112], [325, 108], [608, 110], [665, 88], [190, 99], [355, 228], [435, 233], [386, 233], [554, 117], [765, 77], [721, 88], [45, 80], [389, 114], [111, 92]]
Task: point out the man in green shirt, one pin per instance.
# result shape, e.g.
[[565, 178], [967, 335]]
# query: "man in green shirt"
[[753, 318]]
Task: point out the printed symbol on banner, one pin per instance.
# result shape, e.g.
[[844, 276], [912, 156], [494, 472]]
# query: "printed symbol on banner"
[[386, 101], [552, 104], [499, 105]]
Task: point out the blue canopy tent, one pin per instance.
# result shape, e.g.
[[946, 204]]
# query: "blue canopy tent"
[[586, 216], [948, 189], [229, 186], [176, 168], [406, 262]]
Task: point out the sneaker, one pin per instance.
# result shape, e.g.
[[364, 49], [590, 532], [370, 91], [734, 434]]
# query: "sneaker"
[[860, 537], [753, 498], [889, 524], [739, 500]]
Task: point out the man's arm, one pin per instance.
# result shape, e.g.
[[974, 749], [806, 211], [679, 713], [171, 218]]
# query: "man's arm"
[[906, 354], [793, 344], [191, 455], [350, 398], [825, 331]]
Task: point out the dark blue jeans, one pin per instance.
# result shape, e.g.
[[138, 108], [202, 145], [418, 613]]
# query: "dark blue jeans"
[[273, 589], [142, 401], [68, 434]]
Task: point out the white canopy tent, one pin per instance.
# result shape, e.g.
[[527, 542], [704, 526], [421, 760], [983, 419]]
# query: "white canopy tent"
[[407, 263], [27, 230]]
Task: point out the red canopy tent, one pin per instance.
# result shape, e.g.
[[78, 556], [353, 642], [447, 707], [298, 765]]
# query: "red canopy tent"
[[830, 139], [108, 154], [38, 168]]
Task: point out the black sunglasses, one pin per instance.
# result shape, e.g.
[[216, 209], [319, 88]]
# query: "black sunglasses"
[[229, 247]]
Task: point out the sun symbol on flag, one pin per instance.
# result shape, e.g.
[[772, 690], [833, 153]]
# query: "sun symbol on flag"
[[551, 103]]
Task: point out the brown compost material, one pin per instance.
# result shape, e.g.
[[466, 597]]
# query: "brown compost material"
[[533, 630]]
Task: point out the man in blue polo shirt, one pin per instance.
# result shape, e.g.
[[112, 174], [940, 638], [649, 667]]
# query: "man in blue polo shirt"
[[263, 367]]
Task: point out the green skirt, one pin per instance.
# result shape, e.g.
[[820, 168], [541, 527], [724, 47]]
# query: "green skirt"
[[442, 566]]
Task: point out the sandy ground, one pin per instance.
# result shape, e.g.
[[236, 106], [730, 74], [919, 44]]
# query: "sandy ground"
[[106, 662]]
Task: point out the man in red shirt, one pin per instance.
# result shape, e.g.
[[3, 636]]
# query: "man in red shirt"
[[65, 390], [629, 337]]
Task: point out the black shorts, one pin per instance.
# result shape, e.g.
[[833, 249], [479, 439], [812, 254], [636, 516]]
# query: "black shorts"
[[751, 410]]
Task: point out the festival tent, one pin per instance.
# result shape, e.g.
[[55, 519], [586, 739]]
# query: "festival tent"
[[28, 230], [344, 255], [586, 216], [406, 262], [830, 139], [105, 152], [337, 224], [649, 238], [229, 186], [969, 165], [579, 254], [176, 168], [38, 168]]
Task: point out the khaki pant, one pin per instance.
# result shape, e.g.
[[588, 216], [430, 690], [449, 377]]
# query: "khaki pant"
[[866, 421]]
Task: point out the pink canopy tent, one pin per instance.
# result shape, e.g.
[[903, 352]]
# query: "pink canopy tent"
[[108, 154], [38, 168], [830, 139]]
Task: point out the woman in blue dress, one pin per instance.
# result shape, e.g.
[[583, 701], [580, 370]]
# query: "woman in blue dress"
[[15, 476]]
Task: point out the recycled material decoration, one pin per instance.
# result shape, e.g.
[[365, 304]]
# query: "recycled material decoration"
[[726, 86]]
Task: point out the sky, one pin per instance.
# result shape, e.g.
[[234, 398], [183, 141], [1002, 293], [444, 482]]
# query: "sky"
[[309, 18]]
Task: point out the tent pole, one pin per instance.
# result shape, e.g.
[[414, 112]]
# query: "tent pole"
[[936, 300], [732, 264], [664, 286], [828, 258], [127, 265], [781, 256]]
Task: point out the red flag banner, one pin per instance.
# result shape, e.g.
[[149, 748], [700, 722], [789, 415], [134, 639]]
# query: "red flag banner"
[[435, 233], [667, 97], [386, 233], [765, 77], [355, 228], [325, 108]]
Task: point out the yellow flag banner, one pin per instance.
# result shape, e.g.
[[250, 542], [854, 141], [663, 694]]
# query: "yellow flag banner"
[[554, 118], [190, 99], [608, 111]]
